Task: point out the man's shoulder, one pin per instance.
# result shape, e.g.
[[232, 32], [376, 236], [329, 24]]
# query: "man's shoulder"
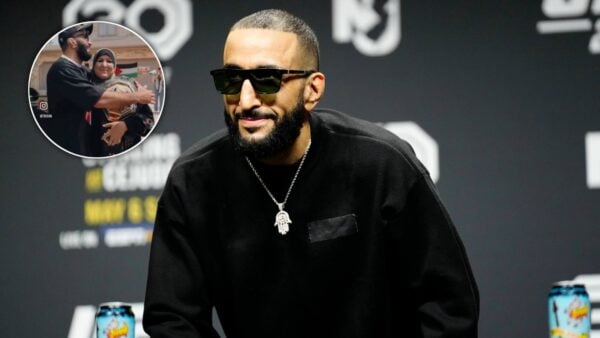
[[61, 62], [206, 149], [371, 138], [341, 124], [56, 67], [62, 67]]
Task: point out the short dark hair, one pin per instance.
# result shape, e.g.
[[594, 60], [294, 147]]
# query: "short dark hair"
[[282, 21]]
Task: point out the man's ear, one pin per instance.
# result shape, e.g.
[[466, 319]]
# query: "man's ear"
[[313, 90], [72, 42]]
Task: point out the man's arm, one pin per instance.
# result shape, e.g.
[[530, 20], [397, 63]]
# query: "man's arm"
[[177, 299], [115, 100], [87, 95], [434, 289]]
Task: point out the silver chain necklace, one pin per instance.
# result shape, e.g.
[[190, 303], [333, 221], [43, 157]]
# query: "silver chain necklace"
[[282, 219]]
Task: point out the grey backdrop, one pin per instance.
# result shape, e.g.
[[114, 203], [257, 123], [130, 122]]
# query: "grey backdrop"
[[509, 108]]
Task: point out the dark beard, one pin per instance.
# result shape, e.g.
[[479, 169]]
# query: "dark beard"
[[82, 53], [284, 134]]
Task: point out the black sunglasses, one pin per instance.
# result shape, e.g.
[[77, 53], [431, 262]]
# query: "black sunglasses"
[[264, 80]]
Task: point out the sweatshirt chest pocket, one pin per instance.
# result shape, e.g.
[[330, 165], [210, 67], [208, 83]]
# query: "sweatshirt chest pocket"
[[331, 228]]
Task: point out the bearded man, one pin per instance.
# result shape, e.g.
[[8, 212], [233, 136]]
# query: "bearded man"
[[296, 222]]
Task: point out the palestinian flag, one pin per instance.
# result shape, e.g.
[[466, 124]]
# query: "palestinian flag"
[[127, 70]]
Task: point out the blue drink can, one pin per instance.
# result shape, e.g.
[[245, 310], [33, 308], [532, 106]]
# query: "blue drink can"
[[115, 320], [569, 311]]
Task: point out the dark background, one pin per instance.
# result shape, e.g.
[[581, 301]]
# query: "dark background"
[[509, 108]]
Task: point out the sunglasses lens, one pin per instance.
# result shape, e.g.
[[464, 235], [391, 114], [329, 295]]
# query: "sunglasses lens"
[[265, 81], [228, 81]]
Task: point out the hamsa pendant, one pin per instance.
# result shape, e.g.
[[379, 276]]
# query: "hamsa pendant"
[[282, 222]]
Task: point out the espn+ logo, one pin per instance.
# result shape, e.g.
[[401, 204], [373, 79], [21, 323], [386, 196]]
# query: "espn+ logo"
[[572, 16]]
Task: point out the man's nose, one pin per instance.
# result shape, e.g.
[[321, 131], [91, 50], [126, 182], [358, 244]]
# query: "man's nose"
[[248, 97]]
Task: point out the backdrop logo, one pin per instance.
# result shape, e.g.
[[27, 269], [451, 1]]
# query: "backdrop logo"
[[426, 148], [571, 16], [592, 159], [353, 20], [175, 32]]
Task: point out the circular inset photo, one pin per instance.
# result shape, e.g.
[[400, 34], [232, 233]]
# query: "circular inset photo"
[[96, 89]]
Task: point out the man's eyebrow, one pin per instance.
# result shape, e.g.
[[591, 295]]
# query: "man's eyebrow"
[[231, 66]]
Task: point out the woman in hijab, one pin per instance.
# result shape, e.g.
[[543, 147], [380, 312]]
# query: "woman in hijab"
[[113, 131]]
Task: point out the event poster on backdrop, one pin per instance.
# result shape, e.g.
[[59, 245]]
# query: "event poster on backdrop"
[[499, 101]]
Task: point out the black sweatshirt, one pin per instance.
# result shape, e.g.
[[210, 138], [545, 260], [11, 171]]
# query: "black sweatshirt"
[[70, 95], [371, 251]]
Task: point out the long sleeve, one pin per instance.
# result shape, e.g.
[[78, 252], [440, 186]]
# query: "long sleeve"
[[177, 301], [434, 289]]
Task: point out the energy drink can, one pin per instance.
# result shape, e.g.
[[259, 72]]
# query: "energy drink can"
[[115, 320], [569, 311]]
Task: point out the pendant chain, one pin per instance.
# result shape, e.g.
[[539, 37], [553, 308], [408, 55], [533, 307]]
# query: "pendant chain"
[[282, 204]]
